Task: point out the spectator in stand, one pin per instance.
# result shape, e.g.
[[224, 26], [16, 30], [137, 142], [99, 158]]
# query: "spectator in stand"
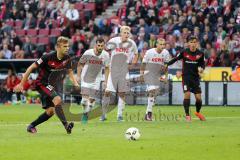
[[18, 53], [122, 11], [2, 11], [72, 14], [132, 19], [29, 48], [105, 29], [177, 77], [5, 28], [91, 27], [5, 53], [11, 81], [152, 41], [41, 24], [165, 9], [225, 56], [29, 22], [213, 60], [14, 40]]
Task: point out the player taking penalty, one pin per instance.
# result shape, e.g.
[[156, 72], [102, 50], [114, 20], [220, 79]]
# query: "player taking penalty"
[[193, 67], [51, 92]]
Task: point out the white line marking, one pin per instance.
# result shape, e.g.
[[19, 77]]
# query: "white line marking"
[[132, 121]]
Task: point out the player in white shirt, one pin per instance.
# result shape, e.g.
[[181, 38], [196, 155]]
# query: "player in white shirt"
[[153, 71], [123, 51], [89, 72]]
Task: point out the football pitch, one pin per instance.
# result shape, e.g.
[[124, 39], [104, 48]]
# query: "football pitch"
[[168, 137]]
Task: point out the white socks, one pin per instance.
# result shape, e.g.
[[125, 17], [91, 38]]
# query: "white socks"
[[150, 104], [121, 106]]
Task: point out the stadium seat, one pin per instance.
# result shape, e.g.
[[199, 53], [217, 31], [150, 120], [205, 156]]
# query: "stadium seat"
[[20, 32], [43, 32], [10, 23], [79, 6], [34, 40], [55, 32], [43, 41], [32, 32], [18, 24], [90, 6]]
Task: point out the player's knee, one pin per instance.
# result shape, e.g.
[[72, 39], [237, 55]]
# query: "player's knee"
[[57, 100], [151, 94], [91, 100], [187, 95], [121, 94], [107, 94], [199, 100], [84, 101], [50, 111]]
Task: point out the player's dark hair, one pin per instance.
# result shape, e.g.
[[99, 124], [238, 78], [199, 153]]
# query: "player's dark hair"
[[191, 37], [100, 40]]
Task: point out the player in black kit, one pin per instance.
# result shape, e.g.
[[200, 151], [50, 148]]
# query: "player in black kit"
[[48, 82], [193, 66]]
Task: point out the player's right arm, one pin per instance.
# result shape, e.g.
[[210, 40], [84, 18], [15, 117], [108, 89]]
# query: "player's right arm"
[[80, 65], [179, 56], [29, 70], [143, 66]]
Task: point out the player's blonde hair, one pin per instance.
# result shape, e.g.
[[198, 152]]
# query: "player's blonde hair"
[[62, 40], [125, 28], [160, 39]]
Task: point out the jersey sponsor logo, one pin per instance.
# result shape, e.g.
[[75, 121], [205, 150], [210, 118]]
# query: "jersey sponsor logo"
[[157, 60], [40, 61], [124, 50], [91, 61], [191, 57]]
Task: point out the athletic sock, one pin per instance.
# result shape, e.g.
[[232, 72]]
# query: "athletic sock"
[[42, 118], [59, 112], [150, 104], [198, 105], [121, 106], [186, 104], [105, 104]]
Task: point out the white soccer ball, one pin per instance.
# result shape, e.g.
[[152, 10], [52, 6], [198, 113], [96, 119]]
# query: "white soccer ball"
[[132, 134]]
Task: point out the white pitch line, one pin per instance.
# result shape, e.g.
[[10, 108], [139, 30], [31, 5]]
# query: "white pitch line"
[[133, 121]]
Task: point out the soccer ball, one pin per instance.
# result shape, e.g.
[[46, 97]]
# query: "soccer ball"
[[132, 134]]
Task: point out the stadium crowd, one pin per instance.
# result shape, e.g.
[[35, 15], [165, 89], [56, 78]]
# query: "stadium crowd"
[[29, 28]]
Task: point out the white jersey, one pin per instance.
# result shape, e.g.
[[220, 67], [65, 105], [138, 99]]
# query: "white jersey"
[[128, 48], [152, 56], [155, 62], [94, 65]]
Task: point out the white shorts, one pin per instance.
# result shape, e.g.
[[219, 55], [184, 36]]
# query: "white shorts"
[[91, 89], [152, 87], [121, 84]]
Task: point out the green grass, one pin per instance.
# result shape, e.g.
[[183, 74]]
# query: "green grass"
[[216, 139]]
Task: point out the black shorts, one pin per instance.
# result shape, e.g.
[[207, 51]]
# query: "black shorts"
[[191, 84], [47, 94]]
